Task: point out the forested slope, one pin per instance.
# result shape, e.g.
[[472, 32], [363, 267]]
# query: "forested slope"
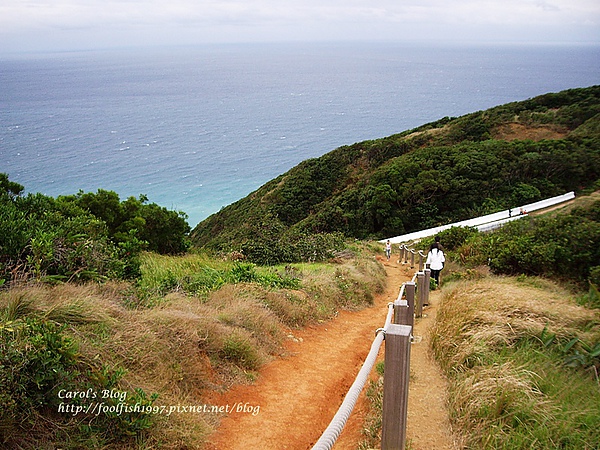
[[441, 172]]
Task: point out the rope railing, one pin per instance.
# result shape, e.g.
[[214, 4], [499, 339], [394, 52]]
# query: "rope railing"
[[399, 334], [332, 432]]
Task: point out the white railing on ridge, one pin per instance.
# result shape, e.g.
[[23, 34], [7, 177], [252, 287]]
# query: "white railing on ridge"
[[485, 223]]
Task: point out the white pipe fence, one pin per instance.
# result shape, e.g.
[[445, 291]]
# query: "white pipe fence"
[[485, 223]]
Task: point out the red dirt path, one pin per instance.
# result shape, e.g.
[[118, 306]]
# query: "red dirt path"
[[298, 395]]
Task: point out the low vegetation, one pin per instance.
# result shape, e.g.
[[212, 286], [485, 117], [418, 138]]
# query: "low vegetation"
[[522, 360], [189, 326]]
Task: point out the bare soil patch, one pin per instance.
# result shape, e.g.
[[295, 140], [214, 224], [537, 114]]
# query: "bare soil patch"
[[298, 395], [514, 131]]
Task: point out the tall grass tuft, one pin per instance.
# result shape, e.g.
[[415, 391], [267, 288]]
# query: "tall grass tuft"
[[16, 306], [504, 344]]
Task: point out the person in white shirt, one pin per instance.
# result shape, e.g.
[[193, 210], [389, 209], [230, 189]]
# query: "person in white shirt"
[[388, 250], [436, 260]]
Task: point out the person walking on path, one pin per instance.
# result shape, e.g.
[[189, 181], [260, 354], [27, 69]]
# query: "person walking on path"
[[436, 260], [388, 250]]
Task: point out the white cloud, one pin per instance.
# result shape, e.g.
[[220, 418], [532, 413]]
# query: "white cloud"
[[44, 21]]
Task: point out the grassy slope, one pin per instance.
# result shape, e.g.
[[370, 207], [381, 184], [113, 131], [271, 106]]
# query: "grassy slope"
[[448, 170], [167, 336], [503, 342]]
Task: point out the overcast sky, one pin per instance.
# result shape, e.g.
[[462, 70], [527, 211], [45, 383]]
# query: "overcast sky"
[[31, 25]]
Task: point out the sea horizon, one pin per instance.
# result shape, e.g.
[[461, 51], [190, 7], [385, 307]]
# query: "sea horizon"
[[198, 128]]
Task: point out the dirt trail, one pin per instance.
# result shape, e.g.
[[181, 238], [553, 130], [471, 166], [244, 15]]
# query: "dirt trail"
[[428, 425], [298, 395]]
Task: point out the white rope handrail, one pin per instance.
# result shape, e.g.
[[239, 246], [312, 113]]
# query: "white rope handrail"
[[338, 422], [401, 294]]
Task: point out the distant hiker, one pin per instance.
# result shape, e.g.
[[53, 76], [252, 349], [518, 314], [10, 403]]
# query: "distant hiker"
[[388, 250], [436, 260]]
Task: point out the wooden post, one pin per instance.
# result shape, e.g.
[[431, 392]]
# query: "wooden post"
[[420, 294], [409, 290], [412, 259], [427, 285], [395, 387], [401, 313], [421, 262]]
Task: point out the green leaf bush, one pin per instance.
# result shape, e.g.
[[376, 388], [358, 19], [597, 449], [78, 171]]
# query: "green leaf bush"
[[40, 363], [82, 237], [562, 246]]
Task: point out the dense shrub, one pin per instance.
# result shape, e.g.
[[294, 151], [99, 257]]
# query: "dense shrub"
[[564, 246], [82, 237], [40, 359], [43, 238], [162, 230], [39, 364], [293, 247], [452, 238]]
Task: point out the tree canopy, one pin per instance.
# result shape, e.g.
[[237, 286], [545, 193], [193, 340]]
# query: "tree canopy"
[[82, 236]]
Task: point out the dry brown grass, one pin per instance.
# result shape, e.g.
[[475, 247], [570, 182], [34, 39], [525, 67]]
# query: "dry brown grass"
[[518, 131], [491, 396], [496, 311], [494, 397], [64, 302], [188, 347]]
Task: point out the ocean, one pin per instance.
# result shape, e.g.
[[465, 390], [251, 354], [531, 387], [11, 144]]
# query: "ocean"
[[195, 129]]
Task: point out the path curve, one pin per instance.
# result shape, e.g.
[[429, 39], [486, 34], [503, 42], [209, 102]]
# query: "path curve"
[[298, 395]]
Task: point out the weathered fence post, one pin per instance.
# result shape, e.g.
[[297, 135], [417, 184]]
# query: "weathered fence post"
[[395, 387], [421, 260], [420, 294], [427, 286], [401, 312], [412, 259]]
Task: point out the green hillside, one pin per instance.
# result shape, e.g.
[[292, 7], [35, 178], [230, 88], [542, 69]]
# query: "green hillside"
[[441, 172]]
